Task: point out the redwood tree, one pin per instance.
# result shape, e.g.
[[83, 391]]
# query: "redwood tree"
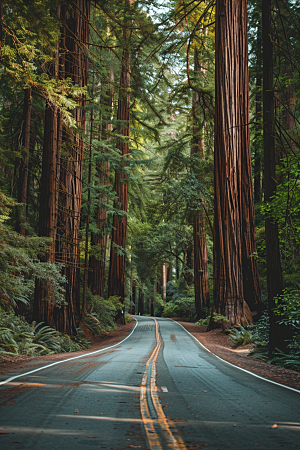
[[99, 239], [23, 167], [235, 271], [201, 283], [44, 301], [116, 279], [73, 64]]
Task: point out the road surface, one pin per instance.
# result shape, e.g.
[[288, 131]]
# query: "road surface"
[[158, 389]]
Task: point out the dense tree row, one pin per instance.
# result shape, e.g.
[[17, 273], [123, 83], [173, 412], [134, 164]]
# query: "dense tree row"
[[136, 148]]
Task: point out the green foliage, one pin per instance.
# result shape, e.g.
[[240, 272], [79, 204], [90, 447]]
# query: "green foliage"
[[100, 314], [174, 311], [20, 263], [17, 337], [288, 309], [261, 327], [288, 361], [203, 322], [128, 318], [180, 302], [287, 314], [158, 305], [219, 318], [243, 336]]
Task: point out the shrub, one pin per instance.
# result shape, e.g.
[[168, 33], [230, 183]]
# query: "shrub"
[[243, 336], [17, 337], [203, 322], [101, 313], [172, 310], [288, 361], [180, 302], [288, 309]]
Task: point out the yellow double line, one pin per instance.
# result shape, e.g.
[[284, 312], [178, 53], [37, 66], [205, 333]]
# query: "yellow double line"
[[151, 409]]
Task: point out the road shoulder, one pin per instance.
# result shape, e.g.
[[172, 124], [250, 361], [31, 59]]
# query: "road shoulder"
[[220, 344]]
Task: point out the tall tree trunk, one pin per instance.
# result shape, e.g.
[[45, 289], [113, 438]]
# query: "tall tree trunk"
[[134, 296], [234, 269], [44, 301], [116, 279], [202, 297], [74, 65], [131, 283], [190, 265], [258, 118], [152, 301], [23, 168], [164, 283], [278, 333], [86, 256], [97, 263], [141, 302]]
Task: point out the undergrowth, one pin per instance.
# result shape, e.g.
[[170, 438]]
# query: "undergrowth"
[[180, 302], [258, 334], [18, 337], [100, 315]]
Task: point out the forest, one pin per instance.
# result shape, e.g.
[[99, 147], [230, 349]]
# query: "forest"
[[150, 165]]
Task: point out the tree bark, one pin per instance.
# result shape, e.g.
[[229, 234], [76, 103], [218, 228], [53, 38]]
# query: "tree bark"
[[74, 65], [97, 263], [258, 119], [86, 255], [141, 302], [202, 297], [116, 279], [131, 283], [134, 296], [190, 265], [152, 301], [23, 168], [43, 297], [164, 283], [234, 269]]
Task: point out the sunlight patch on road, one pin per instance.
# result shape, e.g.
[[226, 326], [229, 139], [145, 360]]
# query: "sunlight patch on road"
[[107, 418]]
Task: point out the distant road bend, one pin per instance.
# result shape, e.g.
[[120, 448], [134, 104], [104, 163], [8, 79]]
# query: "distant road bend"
[[157, 389]]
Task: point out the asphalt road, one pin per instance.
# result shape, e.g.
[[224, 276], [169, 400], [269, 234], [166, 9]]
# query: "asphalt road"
[[158, 389]]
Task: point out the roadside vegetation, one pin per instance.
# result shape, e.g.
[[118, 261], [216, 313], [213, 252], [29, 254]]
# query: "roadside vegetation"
[[116, 187]]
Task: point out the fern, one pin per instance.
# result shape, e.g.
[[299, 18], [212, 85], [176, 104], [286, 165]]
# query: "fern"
[[243, 337]]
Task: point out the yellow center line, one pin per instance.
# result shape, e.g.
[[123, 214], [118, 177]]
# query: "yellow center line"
[[152, 436]]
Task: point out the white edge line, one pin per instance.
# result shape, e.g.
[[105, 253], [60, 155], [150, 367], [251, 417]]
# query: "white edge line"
[[68, 359], [237, 367]]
